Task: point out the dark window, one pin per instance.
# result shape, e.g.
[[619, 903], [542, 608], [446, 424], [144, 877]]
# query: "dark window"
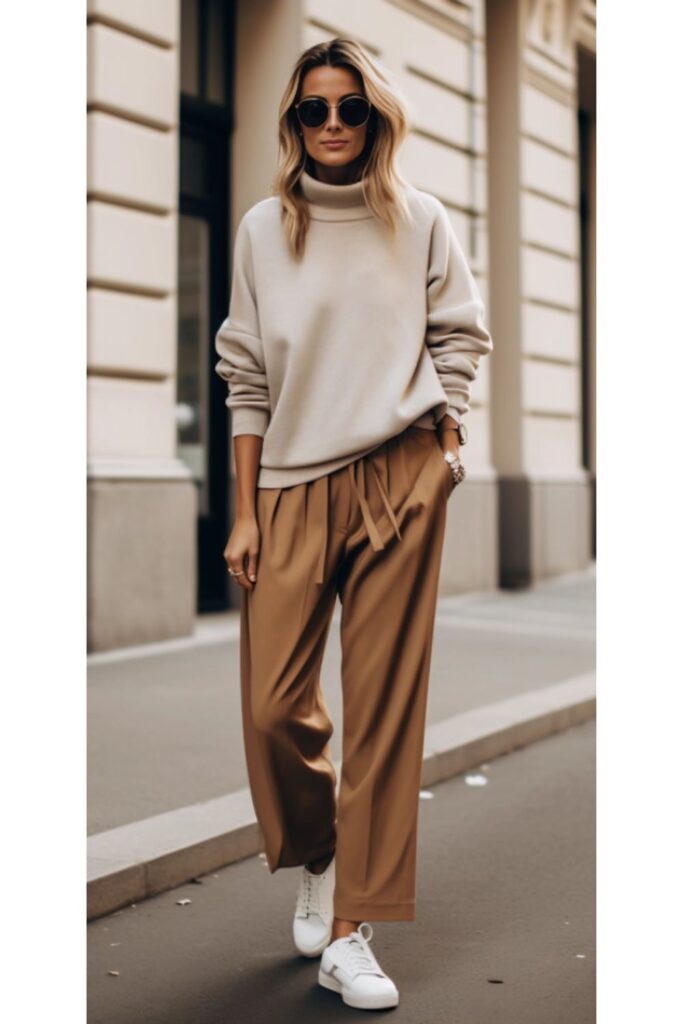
[[206, 61]]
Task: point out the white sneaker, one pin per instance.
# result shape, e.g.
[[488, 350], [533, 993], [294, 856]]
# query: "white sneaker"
[[348, 966], [314, 914]]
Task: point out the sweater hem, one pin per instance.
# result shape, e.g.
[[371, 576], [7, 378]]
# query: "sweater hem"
[[291, 476]]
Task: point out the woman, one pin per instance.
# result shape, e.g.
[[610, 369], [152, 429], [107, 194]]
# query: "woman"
[[354, 333]]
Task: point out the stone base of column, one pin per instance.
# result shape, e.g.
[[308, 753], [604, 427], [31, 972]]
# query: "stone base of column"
[[142, 575], [544, 528], [470, 556]]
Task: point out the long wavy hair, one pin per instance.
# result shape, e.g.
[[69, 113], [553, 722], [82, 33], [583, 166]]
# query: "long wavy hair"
[[383, 185]]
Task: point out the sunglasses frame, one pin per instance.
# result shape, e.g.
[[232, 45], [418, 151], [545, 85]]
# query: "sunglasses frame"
[[333, 106]]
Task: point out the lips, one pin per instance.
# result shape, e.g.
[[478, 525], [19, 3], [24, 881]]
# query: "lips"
[[340, 142]]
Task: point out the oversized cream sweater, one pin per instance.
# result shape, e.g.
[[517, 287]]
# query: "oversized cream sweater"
[[328, 357]]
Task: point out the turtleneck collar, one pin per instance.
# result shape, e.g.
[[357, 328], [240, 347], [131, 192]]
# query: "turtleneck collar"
[[334, 202]]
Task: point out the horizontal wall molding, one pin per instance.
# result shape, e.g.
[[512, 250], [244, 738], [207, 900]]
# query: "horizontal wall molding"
[[130, 204], [530, 190], [127, 115], [541, 140], [153, 21], [541, 357], [137, 469], [118, 373], [467, 151], [551, 414], [130, 30], [332, 29], [547, 304], [439, 17], [532, 76], [128, 289], [551, 250], [463, 94]]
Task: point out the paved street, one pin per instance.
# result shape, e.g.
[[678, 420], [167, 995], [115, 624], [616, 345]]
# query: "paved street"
[[504, 930]]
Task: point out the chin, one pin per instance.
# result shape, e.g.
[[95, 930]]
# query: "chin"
[[337, 158]]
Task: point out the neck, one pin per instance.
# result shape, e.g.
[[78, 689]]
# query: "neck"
[[334, 202], [345, 174]]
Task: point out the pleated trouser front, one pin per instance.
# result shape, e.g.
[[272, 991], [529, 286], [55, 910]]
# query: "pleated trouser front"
[[371, 532]]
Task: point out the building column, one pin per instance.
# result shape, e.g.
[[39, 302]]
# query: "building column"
[[142, 503], [535, 302]]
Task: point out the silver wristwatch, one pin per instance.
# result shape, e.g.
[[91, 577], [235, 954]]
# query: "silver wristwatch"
[[461, 430]]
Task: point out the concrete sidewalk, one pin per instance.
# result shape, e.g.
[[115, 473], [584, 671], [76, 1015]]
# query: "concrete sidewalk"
[[166, 761]]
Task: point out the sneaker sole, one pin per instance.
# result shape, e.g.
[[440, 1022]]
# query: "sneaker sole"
[[376, 1003]]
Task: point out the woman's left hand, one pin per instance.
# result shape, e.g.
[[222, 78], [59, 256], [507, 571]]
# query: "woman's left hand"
[[450, 442]]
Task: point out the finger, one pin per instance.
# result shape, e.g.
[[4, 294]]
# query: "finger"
[[243, 580], [235, 568], [252, 564]]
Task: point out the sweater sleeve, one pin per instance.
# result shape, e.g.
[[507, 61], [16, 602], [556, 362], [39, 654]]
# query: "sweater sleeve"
[[456, 334], [238, 343]]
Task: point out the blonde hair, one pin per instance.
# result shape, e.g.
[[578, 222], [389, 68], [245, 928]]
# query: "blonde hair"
[[383, 185]]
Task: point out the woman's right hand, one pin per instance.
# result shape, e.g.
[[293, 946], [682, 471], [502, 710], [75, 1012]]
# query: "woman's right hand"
[[242, 550]]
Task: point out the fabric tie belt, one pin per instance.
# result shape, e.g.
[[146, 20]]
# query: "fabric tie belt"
[[356, 470]]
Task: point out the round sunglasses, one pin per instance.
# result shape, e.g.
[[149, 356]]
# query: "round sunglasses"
[[314, 111]]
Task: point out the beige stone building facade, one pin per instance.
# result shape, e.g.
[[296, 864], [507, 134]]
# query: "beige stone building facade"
[[182, 139]]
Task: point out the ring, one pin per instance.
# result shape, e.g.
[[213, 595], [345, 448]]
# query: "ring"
[[231, 572], [457, 469], [459, 474]]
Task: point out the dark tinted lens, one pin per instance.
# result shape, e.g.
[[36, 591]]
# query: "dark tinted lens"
[[313, 112], [354, 111]]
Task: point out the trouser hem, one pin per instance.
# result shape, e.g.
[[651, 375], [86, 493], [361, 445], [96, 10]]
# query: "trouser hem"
[[362, 910], [291, 860]]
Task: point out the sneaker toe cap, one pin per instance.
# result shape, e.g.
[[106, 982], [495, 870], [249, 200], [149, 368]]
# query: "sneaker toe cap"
[[310, 932]]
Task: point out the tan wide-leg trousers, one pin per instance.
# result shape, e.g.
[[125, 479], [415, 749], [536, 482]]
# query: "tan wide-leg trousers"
[[371, 532]]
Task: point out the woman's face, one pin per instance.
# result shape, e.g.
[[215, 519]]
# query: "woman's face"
[[333, 84]]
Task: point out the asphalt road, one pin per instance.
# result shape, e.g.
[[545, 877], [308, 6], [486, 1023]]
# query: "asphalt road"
[[504, 930]]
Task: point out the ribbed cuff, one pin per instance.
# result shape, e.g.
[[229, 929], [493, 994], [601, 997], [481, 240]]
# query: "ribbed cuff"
[[248, 420], [451, 411]]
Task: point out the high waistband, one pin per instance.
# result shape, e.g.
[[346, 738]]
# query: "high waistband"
[[356, 471]]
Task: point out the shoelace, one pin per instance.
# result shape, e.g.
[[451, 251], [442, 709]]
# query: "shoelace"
[[361, 958], [308, 899]]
